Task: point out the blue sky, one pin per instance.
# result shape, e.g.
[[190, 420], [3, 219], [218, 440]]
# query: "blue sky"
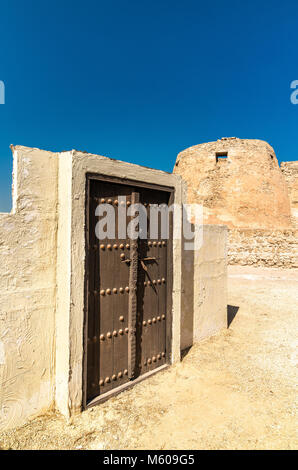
[[140, 81]]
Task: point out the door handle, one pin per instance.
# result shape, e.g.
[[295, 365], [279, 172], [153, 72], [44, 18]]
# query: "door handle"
[[141, 260], [144, 265]]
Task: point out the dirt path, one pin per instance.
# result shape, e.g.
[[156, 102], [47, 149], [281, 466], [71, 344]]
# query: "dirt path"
[[235, 390]]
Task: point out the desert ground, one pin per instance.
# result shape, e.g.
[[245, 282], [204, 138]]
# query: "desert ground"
[[235, 390]]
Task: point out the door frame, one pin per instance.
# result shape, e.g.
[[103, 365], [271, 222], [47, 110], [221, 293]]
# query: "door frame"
[[73, 167], [169, 322]]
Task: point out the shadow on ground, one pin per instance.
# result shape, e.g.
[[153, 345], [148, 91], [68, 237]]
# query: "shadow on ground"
[[184, 352], [232, 312]]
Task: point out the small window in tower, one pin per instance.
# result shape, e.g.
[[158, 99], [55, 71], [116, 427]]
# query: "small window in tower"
[[221, 156]]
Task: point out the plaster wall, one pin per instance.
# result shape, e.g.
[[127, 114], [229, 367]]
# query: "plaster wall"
[[204, 287], [28, 288]]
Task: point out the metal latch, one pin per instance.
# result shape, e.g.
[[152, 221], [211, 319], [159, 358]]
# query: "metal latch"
[[144, 265]]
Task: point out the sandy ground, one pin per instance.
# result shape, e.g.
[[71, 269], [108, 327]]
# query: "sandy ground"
[[235, 390]]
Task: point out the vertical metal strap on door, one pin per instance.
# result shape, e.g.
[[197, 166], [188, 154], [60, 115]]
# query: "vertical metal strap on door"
[[132, 303]]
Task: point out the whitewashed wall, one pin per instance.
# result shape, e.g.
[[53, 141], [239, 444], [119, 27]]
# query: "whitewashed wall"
[[27, 288]]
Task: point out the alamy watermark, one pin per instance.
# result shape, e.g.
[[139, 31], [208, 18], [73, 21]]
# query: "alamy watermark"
[[2, 92], [150, 221], [294, 95]]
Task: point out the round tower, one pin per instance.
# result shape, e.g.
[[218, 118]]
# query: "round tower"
[[238, 181]]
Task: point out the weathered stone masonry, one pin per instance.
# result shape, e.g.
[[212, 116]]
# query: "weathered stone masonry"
[[240, 184], [249, 247]]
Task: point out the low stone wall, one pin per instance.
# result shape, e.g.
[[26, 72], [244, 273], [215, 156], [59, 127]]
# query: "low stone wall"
[[263, 248]]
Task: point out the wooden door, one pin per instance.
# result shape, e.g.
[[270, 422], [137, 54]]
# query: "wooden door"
[[127, 295]]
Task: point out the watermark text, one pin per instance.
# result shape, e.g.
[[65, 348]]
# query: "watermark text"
[[294, 95], [121, 219], [2, 92]]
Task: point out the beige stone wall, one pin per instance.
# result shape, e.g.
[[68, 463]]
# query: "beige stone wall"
[[263, 248], [28, 288], [245, 190], [290, 171], [204, 287]]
